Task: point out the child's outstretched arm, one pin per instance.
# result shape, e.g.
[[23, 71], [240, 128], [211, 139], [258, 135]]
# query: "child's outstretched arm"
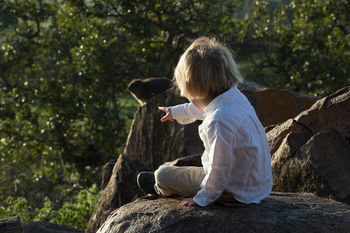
[[183, 113]]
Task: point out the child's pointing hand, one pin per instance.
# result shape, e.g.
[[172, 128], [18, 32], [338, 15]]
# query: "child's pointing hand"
[[168, 115]]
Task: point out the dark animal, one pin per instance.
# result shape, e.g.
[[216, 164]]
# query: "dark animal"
[[144, 89]]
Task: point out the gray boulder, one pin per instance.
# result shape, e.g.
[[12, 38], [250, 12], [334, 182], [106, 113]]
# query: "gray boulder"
[[189, 160], [311, 153], [281, 212], [121, 189], [274, 106], [107, 172], [153, 142], [45, 227]]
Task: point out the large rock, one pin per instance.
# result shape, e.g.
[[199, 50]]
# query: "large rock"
[[281, 212], [107, 172], [273, 105], [153, 142], [189, 160], [331, 112], [311, 153], [300, 149], [121, 189], [45, 227]]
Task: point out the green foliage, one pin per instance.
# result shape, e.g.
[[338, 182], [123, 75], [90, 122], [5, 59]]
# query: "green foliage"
[[302, 46], [64, 69], [16, 207], [65, 66], [75, 214]]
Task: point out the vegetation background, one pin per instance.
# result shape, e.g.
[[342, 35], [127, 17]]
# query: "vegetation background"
[[65, 65]]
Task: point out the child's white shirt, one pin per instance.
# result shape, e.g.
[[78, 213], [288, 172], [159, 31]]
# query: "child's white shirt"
[[237, 156]]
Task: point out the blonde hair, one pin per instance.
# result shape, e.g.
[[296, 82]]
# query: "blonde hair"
[[206, 69]]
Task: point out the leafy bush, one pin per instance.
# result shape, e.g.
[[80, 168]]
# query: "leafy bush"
[[302, 46], [64, 70], [65, 66], [75, 214], [16, 207]]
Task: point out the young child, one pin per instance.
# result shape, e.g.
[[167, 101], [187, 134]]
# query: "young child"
[[236, 161]]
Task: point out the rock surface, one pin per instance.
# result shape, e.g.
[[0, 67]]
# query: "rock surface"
[[121, 189], [107, 172], [311, 153], [273, 105], [153, 142], [189, 160], [45, 227], [281, 212]]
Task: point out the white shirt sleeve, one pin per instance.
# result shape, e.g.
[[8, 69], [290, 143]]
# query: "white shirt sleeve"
[[220, 160], [186, 113]]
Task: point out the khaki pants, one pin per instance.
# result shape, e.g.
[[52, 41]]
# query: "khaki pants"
[[183, 181]]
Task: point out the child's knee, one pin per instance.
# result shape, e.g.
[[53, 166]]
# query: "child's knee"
[[161, 175]]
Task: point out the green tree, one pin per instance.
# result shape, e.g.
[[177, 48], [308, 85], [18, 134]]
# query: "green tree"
[[75, 213], [302, 46], [64, 68], [65, 65]]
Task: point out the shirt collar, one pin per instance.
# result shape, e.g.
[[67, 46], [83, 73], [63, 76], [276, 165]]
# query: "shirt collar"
[[221, 99]]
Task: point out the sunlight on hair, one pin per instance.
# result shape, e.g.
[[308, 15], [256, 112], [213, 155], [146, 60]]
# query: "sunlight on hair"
[[206, 69]]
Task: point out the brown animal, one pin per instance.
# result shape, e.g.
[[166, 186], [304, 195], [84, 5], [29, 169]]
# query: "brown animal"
[[144, 89]]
